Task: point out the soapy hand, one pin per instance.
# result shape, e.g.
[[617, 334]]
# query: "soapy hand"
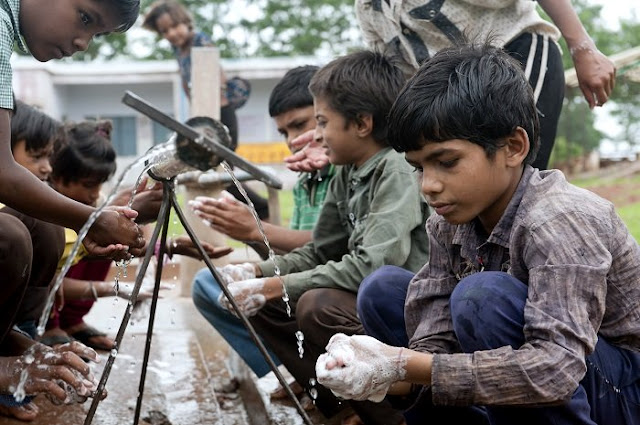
[[237, 272], [247, 294], [360, 367]]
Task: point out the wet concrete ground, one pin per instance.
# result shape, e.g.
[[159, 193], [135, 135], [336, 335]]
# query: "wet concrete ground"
[[189, 379]]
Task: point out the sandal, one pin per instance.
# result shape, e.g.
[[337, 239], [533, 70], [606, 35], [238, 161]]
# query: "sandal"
[[53, 340], [85, 334]]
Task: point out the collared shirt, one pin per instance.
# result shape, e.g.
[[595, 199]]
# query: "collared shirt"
[[372, 215], [308, 196], [582, 269], [9, 35], [414, 30]]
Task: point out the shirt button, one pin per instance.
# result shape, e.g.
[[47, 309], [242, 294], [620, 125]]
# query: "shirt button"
[[406, 31], [432, 13]]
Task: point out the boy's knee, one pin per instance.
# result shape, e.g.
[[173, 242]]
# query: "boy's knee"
[[486, 310], [205, 290], [16, 249], [375, 288]]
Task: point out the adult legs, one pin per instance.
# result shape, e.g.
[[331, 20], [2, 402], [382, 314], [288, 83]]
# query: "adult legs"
[[205, 294], [488, 312], [542, 61]]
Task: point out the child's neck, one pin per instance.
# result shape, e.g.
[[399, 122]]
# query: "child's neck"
[[369, 151]]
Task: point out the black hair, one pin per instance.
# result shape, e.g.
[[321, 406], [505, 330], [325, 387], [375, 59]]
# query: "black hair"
[[127, 10], [86, 152], [475, 92], [358, 84], [36, 128], [175, 10], [292, 91]]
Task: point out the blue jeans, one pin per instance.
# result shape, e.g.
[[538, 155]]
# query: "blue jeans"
[[500, 322], [205, 294]]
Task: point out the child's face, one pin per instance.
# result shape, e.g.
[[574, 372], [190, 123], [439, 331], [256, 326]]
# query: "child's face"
[[295, 122], [339, 138], [36, 161], [55, 29], [178, 34], [460, 182], [86, 190]]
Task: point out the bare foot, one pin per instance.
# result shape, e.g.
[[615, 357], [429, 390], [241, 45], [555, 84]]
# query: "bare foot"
[[54, 337], [91, 337], [27, 412], [280, 393], [352, 419]]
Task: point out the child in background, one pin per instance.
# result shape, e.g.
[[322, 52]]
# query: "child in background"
[[528, 305], [291, 107], [372, 216], [82, 163], [50, 30], [171, 21]]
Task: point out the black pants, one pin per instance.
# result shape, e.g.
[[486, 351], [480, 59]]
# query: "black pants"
[[540, 58]]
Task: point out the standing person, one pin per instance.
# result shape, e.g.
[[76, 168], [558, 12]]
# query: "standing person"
[[528, 304], [50, 30], [414, 30], [291, 107], [171, 21], [372, 215]]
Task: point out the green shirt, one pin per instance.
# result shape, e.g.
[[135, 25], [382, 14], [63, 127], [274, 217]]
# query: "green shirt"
[[372, 216], [9, 34], [308, 196]]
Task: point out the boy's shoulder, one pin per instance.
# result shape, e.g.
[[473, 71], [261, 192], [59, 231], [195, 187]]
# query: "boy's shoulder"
[[548, 194]]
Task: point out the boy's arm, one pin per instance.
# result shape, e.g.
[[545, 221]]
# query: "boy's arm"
[[596, 73], [384, 236], [24, 192]]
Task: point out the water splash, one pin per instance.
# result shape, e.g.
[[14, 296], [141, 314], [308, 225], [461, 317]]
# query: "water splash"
[[300, 341], [272, 254], [313, 391]]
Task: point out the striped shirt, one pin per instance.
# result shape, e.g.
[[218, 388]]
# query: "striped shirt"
[[9, 35], [414, 30], [308, 196], [582, 267]]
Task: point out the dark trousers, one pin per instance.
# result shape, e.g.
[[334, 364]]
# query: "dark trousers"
[[609, 393], [28, 263], [549, 75], [319, 314]]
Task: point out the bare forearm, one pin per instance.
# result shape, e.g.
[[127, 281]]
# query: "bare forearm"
[[76, 289], [566, 19], [285, 239], [23, 191]]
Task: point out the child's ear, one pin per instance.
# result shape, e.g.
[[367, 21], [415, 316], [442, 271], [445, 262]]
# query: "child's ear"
[[365, 125], [517, 147]]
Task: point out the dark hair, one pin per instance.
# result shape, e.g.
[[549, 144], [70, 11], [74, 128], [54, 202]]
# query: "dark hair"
[[86, 152], [358, 84], [175, 10], [36, 128], [292, 91], [475, 92], [127, 10]]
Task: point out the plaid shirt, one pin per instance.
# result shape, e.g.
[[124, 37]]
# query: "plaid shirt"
[[582, 268], [308, 196], [9, 34]]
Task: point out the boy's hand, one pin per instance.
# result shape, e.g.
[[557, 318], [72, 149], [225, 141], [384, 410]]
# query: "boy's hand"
[[309, 155], [596, 75], [237, 272], [47, 368], [227, 215], [114, 233], [248, 295], [146, 201], [183, 245], [360, 367]]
